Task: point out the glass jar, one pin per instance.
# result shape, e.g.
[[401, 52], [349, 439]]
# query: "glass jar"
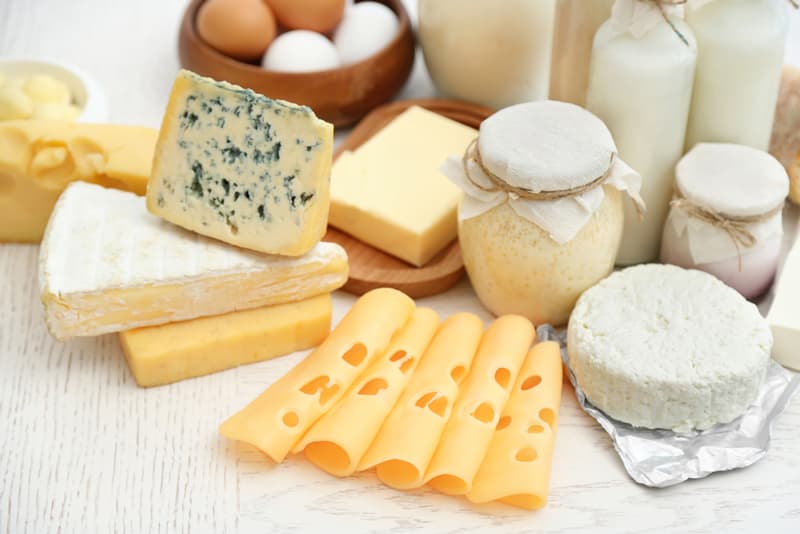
[[542, 216], [575, 26], [741, 45], [488, 52], [718, 182]]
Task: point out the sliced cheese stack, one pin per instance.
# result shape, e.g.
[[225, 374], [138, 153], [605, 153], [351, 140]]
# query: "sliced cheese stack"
[[393, 389]]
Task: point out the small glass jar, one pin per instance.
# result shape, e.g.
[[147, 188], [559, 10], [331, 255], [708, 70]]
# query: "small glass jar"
[[542, 215], [488, 52], [718, 182]]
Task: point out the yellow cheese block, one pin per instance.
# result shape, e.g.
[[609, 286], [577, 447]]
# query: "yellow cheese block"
[[337, 442], [516, 469], [408, 438], [469, 431], [38, 159], [276, 420], [390, 194], [164, 354]]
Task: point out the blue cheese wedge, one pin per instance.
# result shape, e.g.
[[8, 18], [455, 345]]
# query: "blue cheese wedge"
[[107, 265], [658, 346], [242, 168]]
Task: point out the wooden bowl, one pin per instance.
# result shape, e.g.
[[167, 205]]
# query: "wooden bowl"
[[341, 96], [371, 268]]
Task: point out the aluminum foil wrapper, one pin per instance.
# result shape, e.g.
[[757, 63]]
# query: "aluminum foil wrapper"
[[662, 458]]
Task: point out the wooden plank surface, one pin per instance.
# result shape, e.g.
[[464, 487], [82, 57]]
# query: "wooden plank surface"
[[82, 449]]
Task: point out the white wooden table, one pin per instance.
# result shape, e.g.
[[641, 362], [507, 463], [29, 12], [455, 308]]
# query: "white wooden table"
[[83, 449]]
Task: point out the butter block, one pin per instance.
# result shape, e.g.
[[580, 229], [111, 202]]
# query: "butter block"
[[39, 158], [784, 315], [107, 265], [239, 167], [159, 355], [390, 194]]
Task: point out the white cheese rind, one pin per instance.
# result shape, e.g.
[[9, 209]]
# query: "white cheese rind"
[[107, 265], [658, 346], [237, 166]]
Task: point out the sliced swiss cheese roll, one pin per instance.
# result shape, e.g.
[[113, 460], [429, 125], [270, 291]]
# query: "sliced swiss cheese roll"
[[339, 439], [408, 438], [483, 396], [275, 421], [516, 469]]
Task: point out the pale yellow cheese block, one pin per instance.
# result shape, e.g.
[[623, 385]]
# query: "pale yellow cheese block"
[[407, 440], [390, 194], [483, 396], [338, 440], [276, 420], [168, 353], [39, 158], [516, 469]]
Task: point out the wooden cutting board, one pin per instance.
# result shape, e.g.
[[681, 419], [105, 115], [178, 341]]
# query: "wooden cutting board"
[[371, 268]]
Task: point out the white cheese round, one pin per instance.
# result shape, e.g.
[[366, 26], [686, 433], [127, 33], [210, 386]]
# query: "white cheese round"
[[658, 346]]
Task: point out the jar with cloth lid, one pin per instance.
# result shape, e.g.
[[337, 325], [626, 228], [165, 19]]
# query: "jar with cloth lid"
[[541, 217], [726, 215]]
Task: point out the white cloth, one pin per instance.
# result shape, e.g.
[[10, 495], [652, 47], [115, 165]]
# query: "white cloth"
[[562, 219], [638, 17]]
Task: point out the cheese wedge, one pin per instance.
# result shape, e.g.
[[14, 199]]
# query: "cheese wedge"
[[239, 167], [483, 396], [38, 159], [106, 265], [407, 440], [390, 194], [276, 420], [516, 469], [168, 353], [338, 440]]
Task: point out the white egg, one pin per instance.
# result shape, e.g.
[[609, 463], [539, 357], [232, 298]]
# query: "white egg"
[[301, 51], [366, 28]]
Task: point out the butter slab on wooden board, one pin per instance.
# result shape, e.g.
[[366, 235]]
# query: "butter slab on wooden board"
[[389, 192], [159, 355], [107, 265], [38, 159], [242, 168]]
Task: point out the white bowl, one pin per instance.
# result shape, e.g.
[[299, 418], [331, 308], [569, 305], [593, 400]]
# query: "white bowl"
[[86, 93]]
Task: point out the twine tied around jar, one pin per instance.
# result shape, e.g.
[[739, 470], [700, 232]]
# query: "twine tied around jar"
[[472, 153], [661, 3], [733, 225]]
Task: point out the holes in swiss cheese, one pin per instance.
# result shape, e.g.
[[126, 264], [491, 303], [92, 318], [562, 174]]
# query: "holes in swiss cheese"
[[502, 376], [457, 374], [320, 385], [503, 422], [397, 356], [526, 454], [407, 364], [531, 382], [548, 416], [435, 403], [290, 419], [535, 429], [373, 387], [484, 413], [355, 355]]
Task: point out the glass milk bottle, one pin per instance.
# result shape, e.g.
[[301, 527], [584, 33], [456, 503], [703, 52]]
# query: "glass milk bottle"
[[576, 23], [488, 52], [740, 53], [640, 84]]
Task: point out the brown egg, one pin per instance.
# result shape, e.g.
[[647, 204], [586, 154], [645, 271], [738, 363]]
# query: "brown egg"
[[315, 15], [241, 29]]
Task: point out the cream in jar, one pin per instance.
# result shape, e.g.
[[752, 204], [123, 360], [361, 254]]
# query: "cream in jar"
[[640, 84], [541, 217], [576, 23], [726, 217], [489, 52], [740, 53]]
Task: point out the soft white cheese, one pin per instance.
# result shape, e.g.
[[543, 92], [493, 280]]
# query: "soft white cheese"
[[658, 346]]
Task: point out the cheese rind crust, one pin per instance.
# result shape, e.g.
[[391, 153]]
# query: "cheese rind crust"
[[242, 168], [658, 346]]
